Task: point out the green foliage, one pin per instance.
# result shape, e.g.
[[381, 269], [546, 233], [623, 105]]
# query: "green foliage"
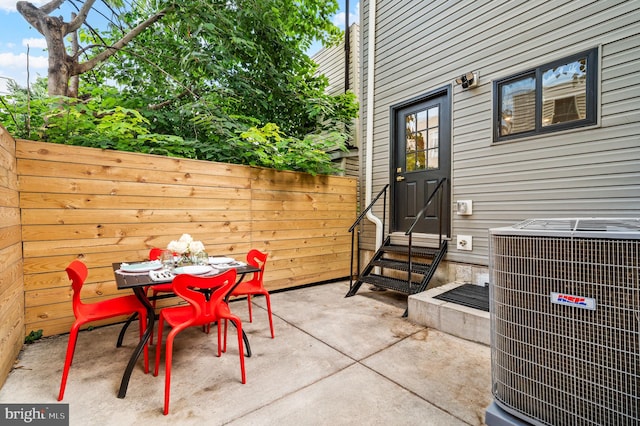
[[21, 116], [33, 336], [269, 147], [216, 80], [98, 122]]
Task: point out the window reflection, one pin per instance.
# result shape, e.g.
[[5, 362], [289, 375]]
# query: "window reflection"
[[434, 160], [422, 145], [422, 120], [411, 161], [411, 143], [556, 96], [411, 123], [433, 148], [421, 138], [564, 93], [434, 116], [518, 106]]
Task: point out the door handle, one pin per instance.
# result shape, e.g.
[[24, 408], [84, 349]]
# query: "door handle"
[[399, 178]]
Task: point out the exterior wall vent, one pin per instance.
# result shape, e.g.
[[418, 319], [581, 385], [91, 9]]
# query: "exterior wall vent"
[[565, 321]]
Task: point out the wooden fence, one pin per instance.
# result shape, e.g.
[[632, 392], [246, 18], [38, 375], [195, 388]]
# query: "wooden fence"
[[107, 206], [11, 283]]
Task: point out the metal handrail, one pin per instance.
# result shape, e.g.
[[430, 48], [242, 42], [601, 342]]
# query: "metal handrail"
[[364, 212], [409, 232], [357, 222]]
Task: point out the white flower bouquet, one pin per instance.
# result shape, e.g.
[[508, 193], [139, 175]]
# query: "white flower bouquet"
[[186, 246]]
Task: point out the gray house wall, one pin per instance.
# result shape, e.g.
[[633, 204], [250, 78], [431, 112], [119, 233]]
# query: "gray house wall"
[[331, 62], [592, 171]]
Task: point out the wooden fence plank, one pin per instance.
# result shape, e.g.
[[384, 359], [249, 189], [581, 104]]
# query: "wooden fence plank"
[[63, 185], [113, 230], [48, 216], [57, 153], [230, 178], [82, 201]]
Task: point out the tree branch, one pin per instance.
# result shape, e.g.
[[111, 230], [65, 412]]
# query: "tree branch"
[[155, 107], [37, 15], [31, 14], [78, 20], [88, 48], [46, 8], [112, 50]]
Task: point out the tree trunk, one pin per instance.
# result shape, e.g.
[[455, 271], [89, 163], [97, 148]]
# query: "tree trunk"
[[54, 30], [59, 62], [63, 67]]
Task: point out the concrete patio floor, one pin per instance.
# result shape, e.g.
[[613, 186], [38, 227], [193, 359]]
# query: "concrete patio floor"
[[334, 361]]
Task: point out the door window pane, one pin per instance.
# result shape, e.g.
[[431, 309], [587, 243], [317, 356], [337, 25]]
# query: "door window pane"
[[411, 123], [411, 161], [410, 145], [421, 138], [433, 149], [434, 117], [433, 144], [518, 106], [421, 120], [411, 142]]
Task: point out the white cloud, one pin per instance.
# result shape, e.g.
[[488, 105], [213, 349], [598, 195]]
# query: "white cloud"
[[14, 67], [354, 17], [13, 61], [10, 5], [35, 42]]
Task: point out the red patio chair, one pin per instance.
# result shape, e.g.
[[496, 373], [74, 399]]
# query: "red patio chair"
[[255, 285], [202, 310], [89, 312], [154, 254]]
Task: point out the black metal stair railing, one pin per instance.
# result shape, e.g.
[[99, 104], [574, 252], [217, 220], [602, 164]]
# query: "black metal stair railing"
[[409, 232], [379, 259], [383, 194]]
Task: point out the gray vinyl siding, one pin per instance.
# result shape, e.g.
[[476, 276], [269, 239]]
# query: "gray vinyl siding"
[[592, 171], [331, 63]]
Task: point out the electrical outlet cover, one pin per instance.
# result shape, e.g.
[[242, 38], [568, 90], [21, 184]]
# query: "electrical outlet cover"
[[464, 242]]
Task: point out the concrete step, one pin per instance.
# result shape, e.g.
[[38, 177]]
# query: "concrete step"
[[451, 318]]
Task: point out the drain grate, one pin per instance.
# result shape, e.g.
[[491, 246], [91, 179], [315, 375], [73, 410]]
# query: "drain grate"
[[473, 296]]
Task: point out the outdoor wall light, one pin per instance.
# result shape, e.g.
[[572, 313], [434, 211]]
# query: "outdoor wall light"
[[468, 80]]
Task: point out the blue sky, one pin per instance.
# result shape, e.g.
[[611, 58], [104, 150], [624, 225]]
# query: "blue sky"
[[16, 36]]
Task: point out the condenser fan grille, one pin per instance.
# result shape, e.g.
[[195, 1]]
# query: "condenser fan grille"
[[576, 360]]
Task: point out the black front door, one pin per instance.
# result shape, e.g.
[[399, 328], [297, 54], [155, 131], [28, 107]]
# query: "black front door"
[[421, 157]]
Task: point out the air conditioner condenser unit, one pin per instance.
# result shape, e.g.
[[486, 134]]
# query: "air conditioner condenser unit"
[[565, 322]]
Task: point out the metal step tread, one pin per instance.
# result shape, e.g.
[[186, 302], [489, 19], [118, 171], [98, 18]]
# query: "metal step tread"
[[390, 283], [417, 251], [402, 265]]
